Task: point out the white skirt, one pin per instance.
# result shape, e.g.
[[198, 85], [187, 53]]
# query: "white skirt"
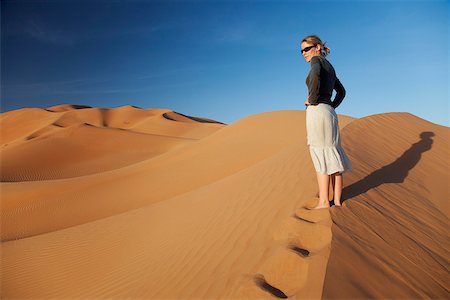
[[324, 140]]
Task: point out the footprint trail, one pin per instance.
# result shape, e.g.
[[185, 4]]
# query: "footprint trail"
[[297, 266]]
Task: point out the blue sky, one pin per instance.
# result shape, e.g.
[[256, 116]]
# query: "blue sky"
[[224, 59]]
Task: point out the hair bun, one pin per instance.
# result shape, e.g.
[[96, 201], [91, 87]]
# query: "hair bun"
[[325, 48]]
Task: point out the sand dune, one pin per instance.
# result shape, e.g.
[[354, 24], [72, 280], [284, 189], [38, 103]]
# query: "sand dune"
[[199, 209], [394, 226], [68, 141]]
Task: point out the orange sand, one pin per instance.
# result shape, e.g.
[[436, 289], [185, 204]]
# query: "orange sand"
[[151, 203]]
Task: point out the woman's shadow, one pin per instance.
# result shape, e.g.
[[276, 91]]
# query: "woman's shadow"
[[395, 172]]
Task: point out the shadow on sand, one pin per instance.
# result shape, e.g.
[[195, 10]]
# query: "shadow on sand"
[[394, 172]]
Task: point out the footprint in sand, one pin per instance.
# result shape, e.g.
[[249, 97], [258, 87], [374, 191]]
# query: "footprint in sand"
[[310, 215], [301, 236]]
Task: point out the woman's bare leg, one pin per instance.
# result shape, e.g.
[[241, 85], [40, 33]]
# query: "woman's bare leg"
[[324, 182], [333, 180], [338, 183]]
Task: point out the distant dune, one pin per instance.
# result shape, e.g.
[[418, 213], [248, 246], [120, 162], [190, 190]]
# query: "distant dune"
[[150, 203], [71, 140]]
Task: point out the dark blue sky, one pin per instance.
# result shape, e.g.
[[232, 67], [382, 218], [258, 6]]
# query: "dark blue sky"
[[224, 59]]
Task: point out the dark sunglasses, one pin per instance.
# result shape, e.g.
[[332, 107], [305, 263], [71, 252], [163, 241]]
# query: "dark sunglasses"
[[307, 49]]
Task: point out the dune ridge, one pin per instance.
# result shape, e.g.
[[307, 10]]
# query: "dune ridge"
[[226, 216]]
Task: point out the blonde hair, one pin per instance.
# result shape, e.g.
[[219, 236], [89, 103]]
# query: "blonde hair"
[[315, 40]]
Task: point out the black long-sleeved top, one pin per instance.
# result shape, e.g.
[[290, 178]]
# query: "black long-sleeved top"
[[321, 81]]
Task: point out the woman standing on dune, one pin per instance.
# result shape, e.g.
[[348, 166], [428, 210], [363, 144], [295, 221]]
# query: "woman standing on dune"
[[322, 128]]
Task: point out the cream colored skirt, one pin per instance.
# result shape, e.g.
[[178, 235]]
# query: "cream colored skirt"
[[324, 140]]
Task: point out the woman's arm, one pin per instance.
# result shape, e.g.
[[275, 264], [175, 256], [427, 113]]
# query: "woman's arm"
[[340, 93], [314, 80]]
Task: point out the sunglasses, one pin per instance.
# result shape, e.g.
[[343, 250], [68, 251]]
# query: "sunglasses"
[[307, 49]]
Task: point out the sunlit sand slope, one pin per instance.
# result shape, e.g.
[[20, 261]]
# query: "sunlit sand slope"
[[224, 217]]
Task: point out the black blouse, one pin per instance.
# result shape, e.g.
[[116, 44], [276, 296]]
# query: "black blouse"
[[321, 81]]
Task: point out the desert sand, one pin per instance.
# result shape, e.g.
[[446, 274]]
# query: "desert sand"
[[154, 204]]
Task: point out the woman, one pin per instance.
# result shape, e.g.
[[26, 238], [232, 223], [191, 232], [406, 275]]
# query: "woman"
[[322, 128]]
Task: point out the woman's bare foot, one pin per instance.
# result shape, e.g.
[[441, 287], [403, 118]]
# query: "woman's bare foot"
[[320, 205], [336, 203]]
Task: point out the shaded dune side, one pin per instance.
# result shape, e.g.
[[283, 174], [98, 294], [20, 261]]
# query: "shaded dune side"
[[390, 240], [236, 228], [63, 142], [176, 116], [66, 107]]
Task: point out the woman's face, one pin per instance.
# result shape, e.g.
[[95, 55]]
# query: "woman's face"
[[309, 50]]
